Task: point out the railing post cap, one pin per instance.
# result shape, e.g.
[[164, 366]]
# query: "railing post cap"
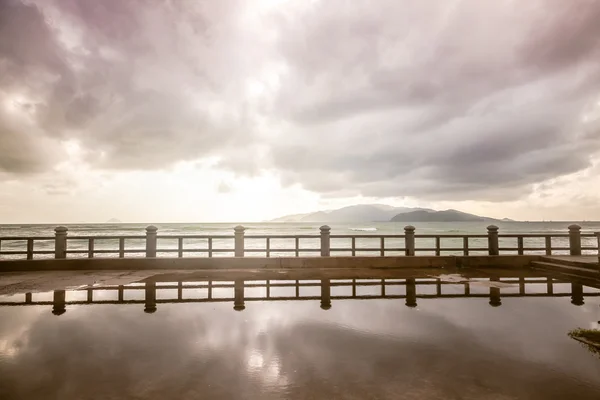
[[61, 229], [325, 228], [409, 228], [574, 227], [151, 229], [492, 228], [239, 228]]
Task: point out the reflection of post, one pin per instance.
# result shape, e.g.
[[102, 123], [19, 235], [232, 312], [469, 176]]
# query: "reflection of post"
[[325, 294], [522, 285], [495, 300], [150, 299], [411, 293], [577, 294], [238, 302], [58, 303]]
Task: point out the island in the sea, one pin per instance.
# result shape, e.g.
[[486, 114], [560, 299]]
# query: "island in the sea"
[[438, 216], [385, 213]]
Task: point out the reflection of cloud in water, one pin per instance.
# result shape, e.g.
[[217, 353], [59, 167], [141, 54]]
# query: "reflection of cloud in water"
[[377, 348], [14, 331], [263, 365]]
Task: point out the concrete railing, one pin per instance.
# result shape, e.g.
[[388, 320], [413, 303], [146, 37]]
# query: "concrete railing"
[[325, 244]]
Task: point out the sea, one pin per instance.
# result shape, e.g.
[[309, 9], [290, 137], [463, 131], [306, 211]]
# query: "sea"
[[224, 247]]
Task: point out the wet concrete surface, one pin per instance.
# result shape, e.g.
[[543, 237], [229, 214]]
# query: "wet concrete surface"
[[23, 282], [430, 338]]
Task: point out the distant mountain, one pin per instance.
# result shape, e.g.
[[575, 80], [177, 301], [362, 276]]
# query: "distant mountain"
[[290, 218], [357, 213], [113, 221], [438, 216]]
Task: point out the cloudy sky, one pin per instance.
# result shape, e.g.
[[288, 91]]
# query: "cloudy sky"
[[175, 110]]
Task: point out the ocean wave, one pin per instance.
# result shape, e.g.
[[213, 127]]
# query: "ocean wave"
[[363, 229]]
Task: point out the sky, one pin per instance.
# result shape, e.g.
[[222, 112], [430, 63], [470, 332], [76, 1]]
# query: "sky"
[[231, 110]]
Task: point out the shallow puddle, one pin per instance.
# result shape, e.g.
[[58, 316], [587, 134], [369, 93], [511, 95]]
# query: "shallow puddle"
[[429, 336]]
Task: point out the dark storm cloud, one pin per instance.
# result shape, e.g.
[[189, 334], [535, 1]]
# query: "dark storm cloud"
[[23, 147], [22, 152], [458, 101], [137, 84]]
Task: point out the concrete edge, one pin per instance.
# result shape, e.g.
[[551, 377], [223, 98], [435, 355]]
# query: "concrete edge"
[[106, 264]]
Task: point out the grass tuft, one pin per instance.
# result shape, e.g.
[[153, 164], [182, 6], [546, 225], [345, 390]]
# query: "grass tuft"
[[593, 335], [589, 339]]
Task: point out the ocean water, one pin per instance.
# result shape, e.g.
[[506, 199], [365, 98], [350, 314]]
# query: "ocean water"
[[226, 245]]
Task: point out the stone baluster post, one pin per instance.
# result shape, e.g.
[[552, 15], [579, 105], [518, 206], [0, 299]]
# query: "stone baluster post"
[[151, 232], [598, 243], [60, 242], [239, 240], [493, 245], [575, 240], [325, 241], [409, 240]]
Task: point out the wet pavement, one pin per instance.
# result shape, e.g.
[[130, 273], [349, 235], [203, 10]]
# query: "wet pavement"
[[422, 334]]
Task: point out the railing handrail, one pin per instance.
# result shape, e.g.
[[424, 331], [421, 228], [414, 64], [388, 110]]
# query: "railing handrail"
[[107, 237], [15, 238], [282, 236], [345, 236]]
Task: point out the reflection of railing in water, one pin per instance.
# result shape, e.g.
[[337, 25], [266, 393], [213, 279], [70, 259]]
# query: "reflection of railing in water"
[[324, 244], [411, 285]]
